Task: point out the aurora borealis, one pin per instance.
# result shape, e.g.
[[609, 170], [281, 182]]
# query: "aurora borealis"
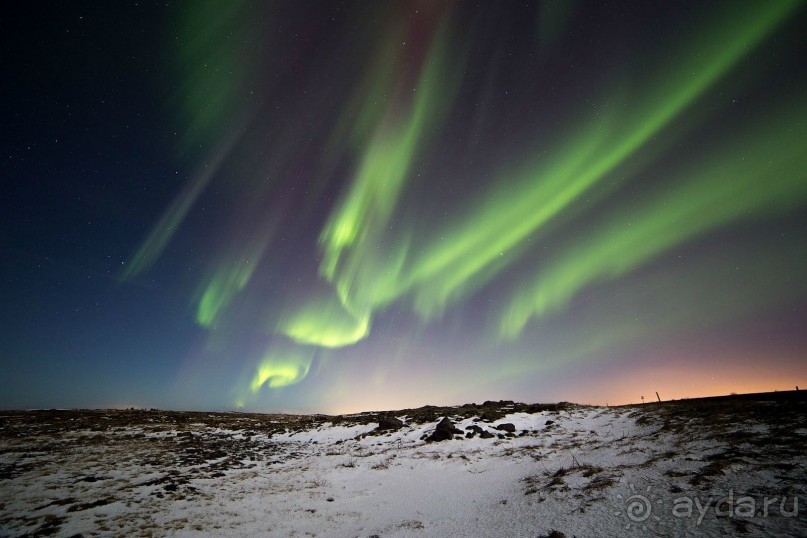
[[325, 206]]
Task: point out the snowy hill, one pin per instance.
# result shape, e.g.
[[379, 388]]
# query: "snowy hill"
[[699, 467]]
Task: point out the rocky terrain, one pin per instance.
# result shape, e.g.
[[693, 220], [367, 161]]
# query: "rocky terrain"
[[720, 466]]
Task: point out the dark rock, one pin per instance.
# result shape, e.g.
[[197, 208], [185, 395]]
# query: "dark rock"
[[444, 431], [474, 428], [50, 526], [549, 422], [446, 424], [486, 435], [389, 423], [506, 427], [89, 505]]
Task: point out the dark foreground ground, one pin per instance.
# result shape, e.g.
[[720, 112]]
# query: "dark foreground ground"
[[498, 469]]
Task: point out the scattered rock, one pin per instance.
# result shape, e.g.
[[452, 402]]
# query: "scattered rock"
[[506, 427], [50, 526], [444, 431], [89, 506], [57, 502], [389, 423], [476, 430]]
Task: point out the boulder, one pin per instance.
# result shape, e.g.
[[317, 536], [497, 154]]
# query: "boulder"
[[506, 427], [389, 424], [444, 431]]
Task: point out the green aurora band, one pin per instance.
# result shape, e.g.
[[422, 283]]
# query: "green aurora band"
[[357, 224], [469, 253], [696, 299], [722, 188], [212, 103], [165, 228], [473, 250], [281, 369], [226, 282], [326, 323], [214, 66]]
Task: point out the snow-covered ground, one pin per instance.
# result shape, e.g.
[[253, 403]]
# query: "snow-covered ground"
[[666, 469]]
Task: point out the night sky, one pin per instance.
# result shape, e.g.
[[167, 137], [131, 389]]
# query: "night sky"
[[341, 206]]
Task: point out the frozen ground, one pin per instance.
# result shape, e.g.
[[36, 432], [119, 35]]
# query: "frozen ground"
[[719, 467]]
